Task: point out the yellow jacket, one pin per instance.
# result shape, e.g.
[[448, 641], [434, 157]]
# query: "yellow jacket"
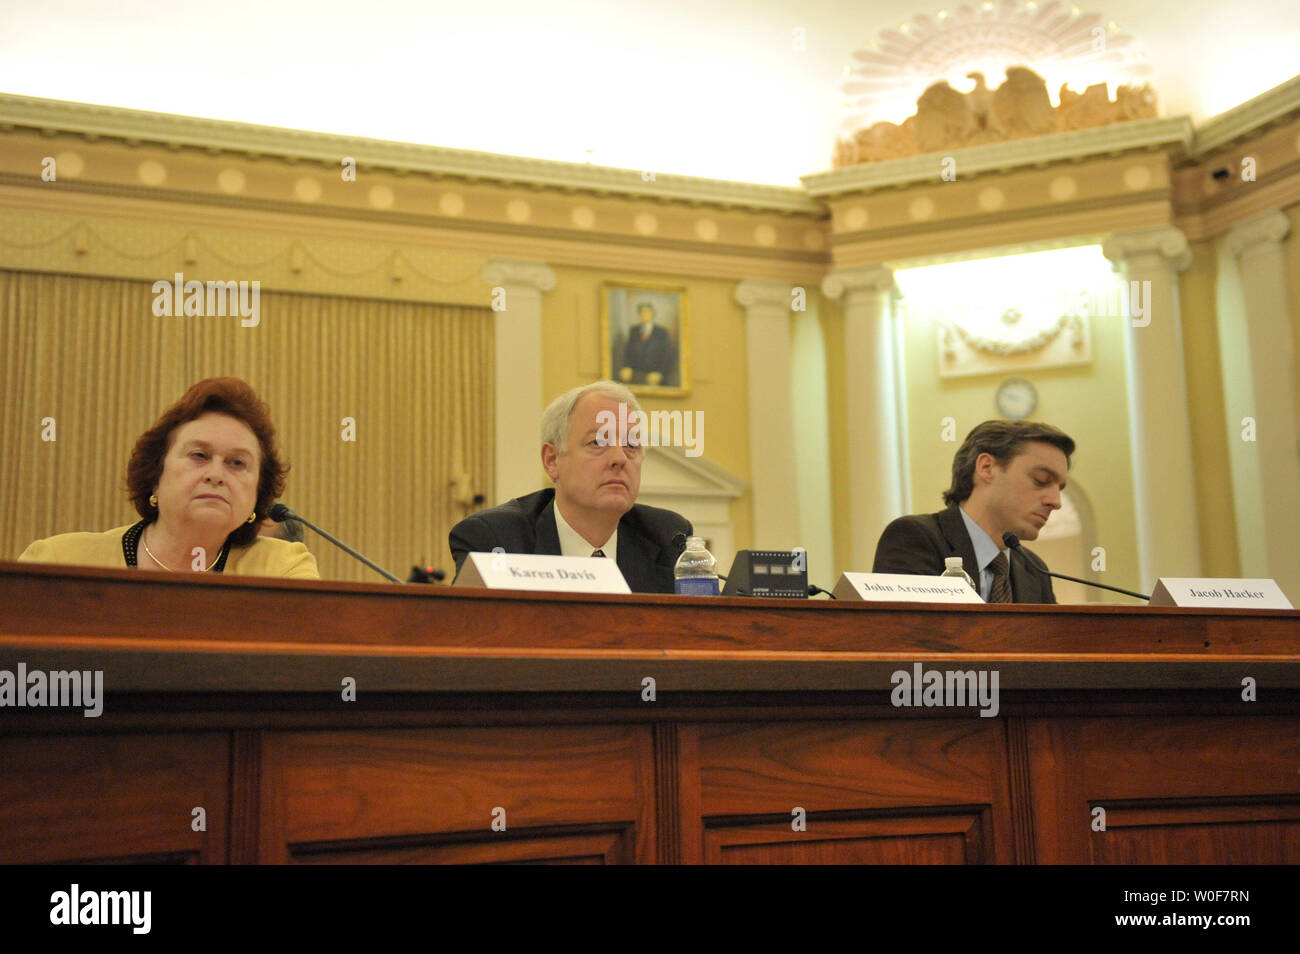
[[265, 556]]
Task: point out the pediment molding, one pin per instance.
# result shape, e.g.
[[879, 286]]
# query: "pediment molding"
[[674, 474]]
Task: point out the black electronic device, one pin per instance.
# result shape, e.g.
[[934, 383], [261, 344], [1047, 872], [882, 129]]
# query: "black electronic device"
[[776, 573]]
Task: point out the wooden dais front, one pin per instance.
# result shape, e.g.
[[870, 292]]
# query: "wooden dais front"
[[643, 729]]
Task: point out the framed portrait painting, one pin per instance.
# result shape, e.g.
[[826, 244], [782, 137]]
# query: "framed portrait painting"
[[643, 341]]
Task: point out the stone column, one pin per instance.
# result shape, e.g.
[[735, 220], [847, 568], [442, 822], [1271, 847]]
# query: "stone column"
[[768, 352], [873, 413], [1260, 389], [517, 288], [1159, 428]]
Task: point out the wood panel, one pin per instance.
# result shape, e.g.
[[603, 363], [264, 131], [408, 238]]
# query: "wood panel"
[[1170, 832], [668, 776], [245, 795], [946, 839], [119, 798], [574, 847], [562, 792], [909, 769], [1018, 797], [842, 766], [1167, 787]]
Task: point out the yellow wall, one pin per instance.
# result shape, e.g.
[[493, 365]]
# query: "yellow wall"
[[1291, 249]]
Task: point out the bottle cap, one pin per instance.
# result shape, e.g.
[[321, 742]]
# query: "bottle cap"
[[952, 563]]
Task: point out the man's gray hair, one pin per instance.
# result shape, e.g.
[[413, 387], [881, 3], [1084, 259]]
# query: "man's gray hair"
[[555, 420]]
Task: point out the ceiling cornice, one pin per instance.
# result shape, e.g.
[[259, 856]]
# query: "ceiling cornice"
[[133, 126], [1280, 102], [1002, 156]]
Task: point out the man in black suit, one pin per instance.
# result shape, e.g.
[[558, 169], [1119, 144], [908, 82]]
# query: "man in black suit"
[[592, 510], [648, 352], [1007, 476]]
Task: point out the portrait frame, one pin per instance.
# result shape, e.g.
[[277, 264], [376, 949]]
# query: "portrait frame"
[[664, 352]]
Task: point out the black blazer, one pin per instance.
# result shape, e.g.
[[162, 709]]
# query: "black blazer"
[[654, 354], [647, 551], [919, 543]]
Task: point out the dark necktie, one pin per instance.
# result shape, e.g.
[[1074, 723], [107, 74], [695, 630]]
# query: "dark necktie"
[[598, 553], [1001, 590]]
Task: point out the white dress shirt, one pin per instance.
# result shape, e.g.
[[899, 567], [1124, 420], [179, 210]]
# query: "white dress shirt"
[[574, 544]]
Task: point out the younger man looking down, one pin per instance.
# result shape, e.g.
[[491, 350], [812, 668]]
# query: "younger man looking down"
[[1007, 476]]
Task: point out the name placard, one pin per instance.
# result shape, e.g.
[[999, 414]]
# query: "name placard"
[[904, 588], [535, 571], [1243, 594]]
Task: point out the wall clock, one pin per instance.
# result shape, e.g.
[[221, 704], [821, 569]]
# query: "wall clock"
[[1016, 399]]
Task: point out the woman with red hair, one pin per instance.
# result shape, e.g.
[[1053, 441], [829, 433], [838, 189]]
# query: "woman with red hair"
[[202, 479]]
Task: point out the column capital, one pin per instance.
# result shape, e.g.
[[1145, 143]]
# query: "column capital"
[[1271, 226], [862, 278], [511, 271], [763, 292], [1165, 241]]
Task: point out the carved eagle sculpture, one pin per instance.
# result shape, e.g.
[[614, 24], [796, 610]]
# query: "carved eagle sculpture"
[[944, 118], [981, 100], [1021, 106]]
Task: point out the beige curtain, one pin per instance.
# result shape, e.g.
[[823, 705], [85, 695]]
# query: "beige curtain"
[[90, 354]]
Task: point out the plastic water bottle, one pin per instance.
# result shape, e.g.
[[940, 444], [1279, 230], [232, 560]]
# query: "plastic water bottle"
[[952, 567], [696, 571]]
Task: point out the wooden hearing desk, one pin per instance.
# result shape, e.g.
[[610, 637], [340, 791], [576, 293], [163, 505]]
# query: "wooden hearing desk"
[[517, 727]]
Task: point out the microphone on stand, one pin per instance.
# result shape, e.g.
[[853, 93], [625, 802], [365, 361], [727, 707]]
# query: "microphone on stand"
[[280, 513], [1013, 541]]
